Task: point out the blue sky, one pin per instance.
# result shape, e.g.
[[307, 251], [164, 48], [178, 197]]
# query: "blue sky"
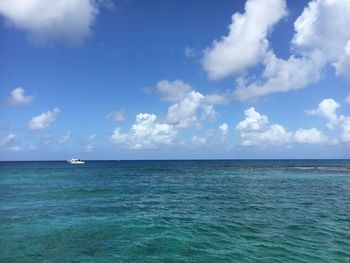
[[174, 79]]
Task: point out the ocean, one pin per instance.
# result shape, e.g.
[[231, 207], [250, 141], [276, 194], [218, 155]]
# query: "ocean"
[[175, 211]]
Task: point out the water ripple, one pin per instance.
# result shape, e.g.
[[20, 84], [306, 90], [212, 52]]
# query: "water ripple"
[[175, 211]]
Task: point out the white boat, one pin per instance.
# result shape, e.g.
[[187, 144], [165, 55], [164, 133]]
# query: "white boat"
[[75, 161]]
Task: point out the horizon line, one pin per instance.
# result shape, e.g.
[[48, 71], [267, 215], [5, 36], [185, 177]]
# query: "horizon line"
[[193, 159]]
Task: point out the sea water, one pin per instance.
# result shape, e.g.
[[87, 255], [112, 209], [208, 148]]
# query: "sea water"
[[175, 211]]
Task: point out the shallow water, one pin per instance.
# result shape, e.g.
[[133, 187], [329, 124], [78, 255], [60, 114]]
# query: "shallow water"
[[175, 211]]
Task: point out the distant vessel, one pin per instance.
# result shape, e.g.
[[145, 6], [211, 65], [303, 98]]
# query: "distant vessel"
[[75, 161]]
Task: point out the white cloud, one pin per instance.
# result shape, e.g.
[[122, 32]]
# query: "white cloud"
[[116, 116], [342, 66], [9, 139], [121, 138], [18, 98], [255, 130], [310, 136], [223, 128], [43, 120], [274, 135], [146, 133], [321, 38], [64, 138], [327, 108], [217, 99], [246, 43], [253, 121], [173, 91], [189, 106], [184, 113], [323, 26], [282, 75], [193, 109], [47, 21]]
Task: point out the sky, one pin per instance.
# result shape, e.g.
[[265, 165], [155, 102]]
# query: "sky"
[[174, 79]]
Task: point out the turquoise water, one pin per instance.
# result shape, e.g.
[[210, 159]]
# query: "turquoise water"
[[175, 211]]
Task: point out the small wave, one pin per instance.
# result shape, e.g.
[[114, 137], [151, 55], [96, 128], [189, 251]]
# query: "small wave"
[[302, 168], [320, 168]]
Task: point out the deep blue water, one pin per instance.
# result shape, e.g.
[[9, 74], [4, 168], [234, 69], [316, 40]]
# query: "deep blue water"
[[175, 211]]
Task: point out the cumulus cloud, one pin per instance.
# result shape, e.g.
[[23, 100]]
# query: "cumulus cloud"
[[64, 138], [327, 108], [173, 91], [146, 133], [189, 106], [217, 99], [246, 42], [43, 120], [116, 116], [184, 113], [310, 136], [282, 75], [321, 38], [254, 121], [256, 130], [323, 26], [223, 128], [18, 97], [342, 65], [47, 21]]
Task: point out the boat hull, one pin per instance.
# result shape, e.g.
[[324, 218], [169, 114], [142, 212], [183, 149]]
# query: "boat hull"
[[75, 162]]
